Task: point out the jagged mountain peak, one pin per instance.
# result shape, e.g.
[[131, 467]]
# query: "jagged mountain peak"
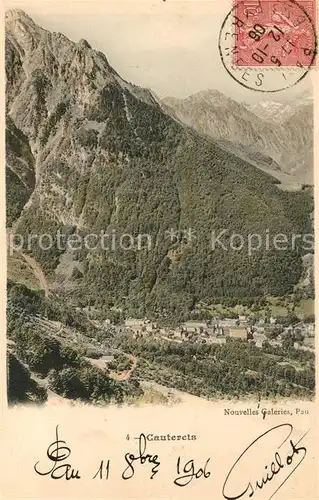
[[26, 37], [212, 95], [280, 112], [36, 53], [266, 127], [22, 31], [208, 101], [84, 43], [18, 15]]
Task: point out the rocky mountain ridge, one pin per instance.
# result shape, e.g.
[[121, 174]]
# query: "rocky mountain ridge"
[[281, 132], [106, 156]]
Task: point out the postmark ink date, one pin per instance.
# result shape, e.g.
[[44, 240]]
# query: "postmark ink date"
[[268, 45]]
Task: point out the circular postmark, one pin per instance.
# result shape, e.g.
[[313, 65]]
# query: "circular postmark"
[[269, 45]]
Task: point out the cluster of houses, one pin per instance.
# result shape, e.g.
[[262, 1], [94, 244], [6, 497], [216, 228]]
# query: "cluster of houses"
[[216, 331], [140, 326]]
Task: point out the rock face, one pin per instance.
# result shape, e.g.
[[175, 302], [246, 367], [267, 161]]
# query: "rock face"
[[212, 113], [279, 132], [108, 157], [20, 175]]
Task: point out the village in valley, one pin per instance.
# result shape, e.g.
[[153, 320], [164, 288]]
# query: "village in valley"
[[300, 335]]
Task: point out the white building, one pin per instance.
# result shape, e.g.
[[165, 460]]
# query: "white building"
[[133, 322], [195, 326], [259, 338], [216, 340]]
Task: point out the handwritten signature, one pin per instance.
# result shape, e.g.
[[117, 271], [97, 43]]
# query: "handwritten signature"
[[252, 455]]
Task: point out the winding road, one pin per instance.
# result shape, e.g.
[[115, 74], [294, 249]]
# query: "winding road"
[[127, 373]]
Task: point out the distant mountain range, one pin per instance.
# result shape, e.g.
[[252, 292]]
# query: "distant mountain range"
[[89, 152], [280, 134], [280, 112]]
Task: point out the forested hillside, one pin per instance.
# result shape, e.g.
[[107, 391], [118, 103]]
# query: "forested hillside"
[[52, 348], [108, 158]]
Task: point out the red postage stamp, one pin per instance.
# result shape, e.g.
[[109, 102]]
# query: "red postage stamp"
[[274, 33]]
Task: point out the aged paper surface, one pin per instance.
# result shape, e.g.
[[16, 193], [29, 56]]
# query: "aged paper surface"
[[158, 215]]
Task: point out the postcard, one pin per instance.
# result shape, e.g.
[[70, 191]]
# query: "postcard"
[[158, 225]]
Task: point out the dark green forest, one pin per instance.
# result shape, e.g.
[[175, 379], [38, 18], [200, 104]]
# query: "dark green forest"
[[236, 369], [160, 175]]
